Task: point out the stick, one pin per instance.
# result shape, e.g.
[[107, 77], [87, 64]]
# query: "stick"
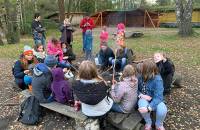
[[114, 66], [72, 66], [106, 70], [140, 61]]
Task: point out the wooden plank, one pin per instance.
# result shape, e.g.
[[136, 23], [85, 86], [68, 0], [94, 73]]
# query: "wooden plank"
[[60, 108]]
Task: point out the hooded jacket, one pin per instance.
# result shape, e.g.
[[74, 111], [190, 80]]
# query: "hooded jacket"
[[125, 94], [93, 97], [41, 82], [60, 87]]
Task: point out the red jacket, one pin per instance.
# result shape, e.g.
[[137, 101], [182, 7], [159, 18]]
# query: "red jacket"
[[86, 26]]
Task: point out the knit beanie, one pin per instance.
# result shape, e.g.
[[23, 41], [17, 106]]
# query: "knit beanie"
[[27, 50], [50, 60]]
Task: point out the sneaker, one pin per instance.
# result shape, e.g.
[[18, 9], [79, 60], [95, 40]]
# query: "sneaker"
[[147, 127], [160, 128]]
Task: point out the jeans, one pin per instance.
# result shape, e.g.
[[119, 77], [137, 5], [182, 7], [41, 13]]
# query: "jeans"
[[116, 108], [20, 83], [64, 64], [161, 111], [39, 38], [119, 63], [100, 59], [27, 80], [88, 39]]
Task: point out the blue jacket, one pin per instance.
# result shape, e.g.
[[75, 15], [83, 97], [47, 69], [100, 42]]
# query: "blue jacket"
[[154, 89]]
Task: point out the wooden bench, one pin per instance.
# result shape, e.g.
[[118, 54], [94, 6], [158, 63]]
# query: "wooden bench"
[[121, 121]]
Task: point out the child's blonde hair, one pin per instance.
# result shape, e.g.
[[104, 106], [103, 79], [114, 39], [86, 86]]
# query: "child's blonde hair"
[[88, 71], [161, 53], [128, 71]]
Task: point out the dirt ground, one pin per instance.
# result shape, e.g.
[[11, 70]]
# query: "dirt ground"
[[183, 104]]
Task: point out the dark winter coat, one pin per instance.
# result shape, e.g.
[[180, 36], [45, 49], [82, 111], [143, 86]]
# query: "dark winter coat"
[[70, 54], [166, 70], [37, 29], [66, 36], [60, 87], [41, 82], [90, 93], [105, 55]]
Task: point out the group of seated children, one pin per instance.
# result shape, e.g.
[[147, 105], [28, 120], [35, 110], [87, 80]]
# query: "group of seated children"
[[146, 92], [142, 89], [23, 68], [93, 93]]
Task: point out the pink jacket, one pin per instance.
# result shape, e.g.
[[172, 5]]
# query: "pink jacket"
[[55, 49]]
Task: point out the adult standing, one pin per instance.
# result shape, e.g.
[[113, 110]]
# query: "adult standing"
[[38, 30], [66, 30], [86, 23]]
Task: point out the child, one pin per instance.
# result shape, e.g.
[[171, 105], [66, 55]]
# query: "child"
[[69, 56], [166, 69], [123, 57], [103, 35], [105, 56], [67, 30], [124, 93], [150, 88], [60, 87], [23, 67], [54, 48], [91, 90], [41, 83], [50, 61], [38, 30], [120, 34], [39, 52]]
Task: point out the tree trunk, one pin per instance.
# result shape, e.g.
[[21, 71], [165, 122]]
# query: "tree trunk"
[[61, 7], [12, 28], [35, 6], [69, 8], [184, 17], [1, 30]]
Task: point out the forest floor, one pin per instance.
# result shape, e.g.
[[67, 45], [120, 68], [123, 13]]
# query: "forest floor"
[[183, 103]]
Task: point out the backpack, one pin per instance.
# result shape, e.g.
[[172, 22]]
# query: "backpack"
[[30, 112]]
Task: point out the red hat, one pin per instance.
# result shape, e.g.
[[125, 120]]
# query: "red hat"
[[28, 50]]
